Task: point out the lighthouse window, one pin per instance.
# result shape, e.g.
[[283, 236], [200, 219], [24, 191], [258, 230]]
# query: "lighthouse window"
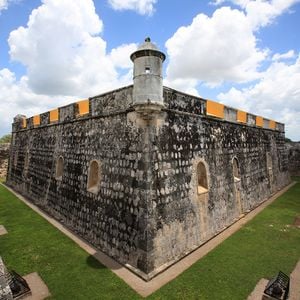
[[147, 70]]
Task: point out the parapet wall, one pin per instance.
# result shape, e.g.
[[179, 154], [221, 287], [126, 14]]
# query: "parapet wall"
[[104, 104], [179, 101], [101, 105]]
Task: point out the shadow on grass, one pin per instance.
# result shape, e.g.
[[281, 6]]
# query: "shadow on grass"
[[94, 263]]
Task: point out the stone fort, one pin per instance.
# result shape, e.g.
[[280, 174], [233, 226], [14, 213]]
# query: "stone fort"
[[146, 173]]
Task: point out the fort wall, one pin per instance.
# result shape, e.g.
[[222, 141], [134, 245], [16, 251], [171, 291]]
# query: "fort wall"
[[185, 218], [146, 208]]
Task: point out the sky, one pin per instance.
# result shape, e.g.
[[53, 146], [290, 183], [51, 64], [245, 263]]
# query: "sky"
[[243, 53]]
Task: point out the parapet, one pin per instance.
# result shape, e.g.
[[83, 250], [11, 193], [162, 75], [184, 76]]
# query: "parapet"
[[179, 101], [97, 106], [120, 100], [230, 114]]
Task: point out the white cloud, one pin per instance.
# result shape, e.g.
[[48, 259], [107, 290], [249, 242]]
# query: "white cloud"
[[241, 3], [261, 12], [121, 56], [17, 98], [63, 52], [276, 96], [286, 55], [65, 58], [143, 7], [188, 86], [216, 49], [223, 48], [3, 4]]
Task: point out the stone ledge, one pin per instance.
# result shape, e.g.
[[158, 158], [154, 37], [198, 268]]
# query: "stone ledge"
[[258, 291], [39, 289]]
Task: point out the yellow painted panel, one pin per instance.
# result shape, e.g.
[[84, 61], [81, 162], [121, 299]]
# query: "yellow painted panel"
[[272, 124], [259, 121], [241, 116], [36, 120], [214, 109], [24, 123], [83, 107], [54, 115]]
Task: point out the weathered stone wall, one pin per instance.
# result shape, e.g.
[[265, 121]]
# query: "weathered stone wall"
[[4, 153], [5, 291], [182, 219], [112, 219], [294, 158], [147, 213]]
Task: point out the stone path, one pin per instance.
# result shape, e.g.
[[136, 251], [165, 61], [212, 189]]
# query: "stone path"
[[258, 292], [135, 282], [295, 283], [2, 230], [39, 290]]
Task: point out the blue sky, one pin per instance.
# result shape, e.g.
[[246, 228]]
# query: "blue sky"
[[243, 53]]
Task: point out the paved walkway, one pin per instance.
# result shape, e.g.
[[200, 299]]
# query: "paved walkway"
[[39, 290], [135, 282], [295, 283]]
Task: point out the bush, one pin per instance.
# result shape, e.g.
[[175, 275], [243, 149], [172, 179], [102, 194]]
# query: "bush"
[[5, 139]]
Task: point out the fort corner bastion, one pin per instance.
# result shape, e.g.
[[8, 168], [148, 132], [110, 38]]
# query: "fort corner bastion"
[[146, 173]]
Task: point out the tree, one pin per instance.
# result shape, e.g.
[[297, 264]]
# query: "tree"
[[5, 139], [287, 140]]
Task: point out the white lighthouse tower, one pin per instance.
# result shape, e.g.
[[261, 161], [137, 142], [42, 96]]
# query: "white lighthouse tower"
[[147, 75]]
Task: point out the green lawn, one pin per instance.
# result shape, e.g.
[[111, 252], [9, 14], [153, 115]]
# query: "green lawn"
[[264, 246]]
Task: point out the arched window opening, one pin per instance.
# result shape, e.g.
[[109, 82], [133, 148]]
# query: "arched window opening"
[[59, 168], [93, 177], [202, 178], [236, 170]]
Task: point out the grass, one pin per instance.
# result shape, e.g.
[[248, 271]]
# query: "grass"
[[264, 246], [32, 244]]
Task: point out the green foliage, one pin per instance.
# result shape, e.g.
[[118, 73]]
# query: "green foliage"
[[260, 249], [5, 139]]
